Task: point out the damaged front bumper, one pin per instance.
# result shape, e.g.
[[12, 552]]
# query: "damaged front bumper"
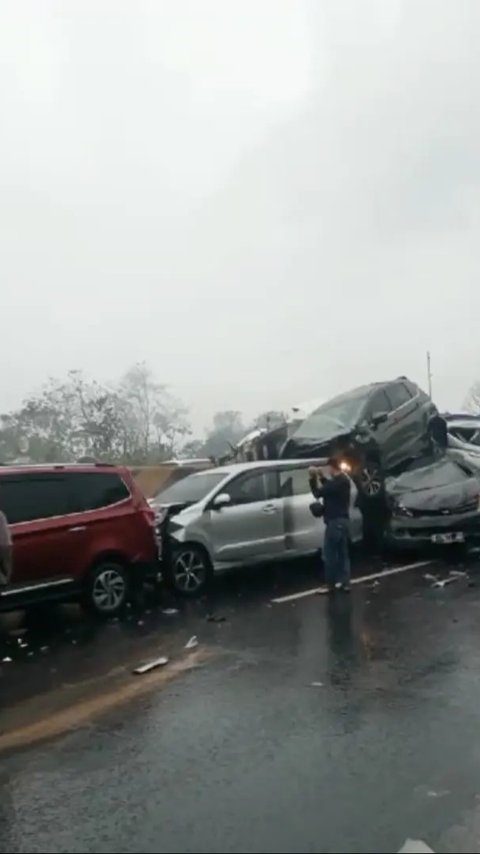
[[420, 531]]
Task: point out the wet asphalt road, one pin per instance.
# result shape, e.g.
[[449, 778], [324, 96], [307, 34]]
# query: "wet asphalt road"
[[243, 754]]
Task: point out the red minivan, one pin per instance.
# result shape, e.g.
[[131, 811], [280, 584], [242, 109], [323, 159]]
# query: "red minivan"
[[78, 532]]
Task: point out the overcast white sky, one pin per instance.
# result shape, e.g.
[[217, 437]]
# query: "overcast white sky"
[[268, 201]]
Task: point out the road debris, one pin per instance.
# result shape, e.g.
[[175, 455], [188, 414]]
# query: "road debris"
[[316, 684], [192, 643], [442, 582], [433, 794], [6, 660], [170, 612], [141, 623], [151, 665], [415, 846], [213, 618]]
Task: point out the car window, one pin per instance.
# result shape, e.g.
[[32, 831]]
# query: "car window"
[[467, 434], [398, 394], [30, 497], [192, 488], [249, 488], [92, 490], [337, 414], [380, 403], [294, 482]]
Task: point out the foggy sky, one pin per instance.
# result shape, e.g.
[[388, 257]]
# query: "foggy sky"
[[268, 201]]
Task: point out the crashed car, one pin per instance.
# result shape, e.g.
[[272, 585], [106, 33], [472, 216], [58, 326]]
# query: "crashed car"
[[437, 503], [238, 515], [375, 429], [463, 432]]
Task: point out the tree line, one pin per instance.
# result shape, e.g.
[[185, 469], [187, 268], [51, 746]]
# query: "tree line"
[[135, 420]]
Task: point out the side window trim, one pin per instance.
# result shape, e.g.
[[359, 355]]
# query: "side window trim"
[[243, 476], [71, 492], [39, 478]]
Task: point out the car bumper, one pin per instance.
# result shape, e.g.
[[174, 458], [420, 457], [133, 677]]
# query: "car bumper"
[[422, 531]]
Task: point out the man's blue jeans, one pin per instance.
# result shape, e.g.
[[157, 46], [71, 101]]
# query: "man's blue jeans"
[[336, 556]]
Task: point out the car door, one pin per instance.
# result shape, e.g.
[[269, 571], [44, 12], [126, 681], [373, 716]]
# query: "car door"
[[303, 532], [36, 507], [251, 527], [408, 431], [384, 430]]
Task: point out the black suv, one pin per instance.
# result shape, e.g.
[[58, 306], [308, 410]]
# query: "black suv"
[[377, 429]]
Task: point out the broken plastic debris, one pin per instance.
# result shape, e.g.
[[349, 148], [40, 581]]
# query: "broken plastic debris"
[[6, 660], [192, 643], [415, 846], [316, 684], [169, 612], [151, 665], [441, 582]]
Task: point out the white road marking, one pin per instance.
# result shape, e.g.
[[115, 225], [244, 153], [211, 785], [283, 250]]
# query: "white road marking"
[[396, 570]]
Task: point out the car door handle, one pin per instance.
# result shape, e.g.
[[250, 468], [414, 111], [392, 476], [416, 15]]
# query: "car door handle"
[[269, 508], [77, 529]]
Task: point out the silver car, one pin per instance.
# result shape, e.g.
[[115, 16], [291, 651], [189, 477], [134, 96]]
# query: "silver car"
[[237, 515]]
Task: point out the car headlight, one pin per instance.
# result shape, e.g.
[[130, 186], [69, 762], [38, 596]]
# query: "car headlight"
[[401, 510]]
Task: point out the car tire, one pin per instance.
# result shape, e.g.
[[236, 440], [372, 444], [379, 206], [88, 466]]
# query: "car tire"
[[370, 480], [107, 589], [189, 570]]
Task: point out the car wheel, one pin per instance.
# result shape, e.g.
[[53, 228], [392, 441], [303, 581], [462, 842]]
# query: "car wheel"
[[189, 570], [371, 480], [107, 588]]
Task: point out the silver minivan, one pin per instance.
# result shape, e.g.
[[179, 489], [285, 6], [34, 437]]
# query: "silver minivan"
[[238, 515]]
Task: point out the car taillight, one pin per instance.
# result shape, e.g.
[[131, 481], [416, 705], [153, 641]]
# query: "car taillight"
[[150, 516]]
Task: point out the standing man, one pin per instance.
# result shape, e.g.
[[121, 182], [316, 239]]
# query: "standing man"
[[5, 551], [335, 492]]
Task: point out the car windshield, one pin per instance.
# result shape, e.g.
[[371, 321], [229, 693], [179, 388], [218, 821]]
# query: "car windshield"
[[339, 414], [192, 488]]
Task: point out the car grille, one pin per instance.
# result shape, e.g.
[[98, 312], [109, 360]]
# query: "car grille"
[[467, 507]]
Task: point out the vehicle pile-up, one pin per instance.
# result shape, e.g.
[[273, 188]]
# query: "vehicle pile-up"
[[416, 473], [87, 532]]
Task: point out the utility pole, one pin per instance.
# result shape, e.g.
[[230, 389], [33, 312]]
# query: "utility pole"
[[429, 374]]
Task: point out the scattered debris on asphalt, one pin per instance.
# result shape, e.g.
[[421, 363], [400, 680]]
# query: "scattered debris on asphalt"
[[442, 794], [316, 684], [6, 660], [141, 623], [169, 612], [192, 643], [151, 665], [415, 846], [44, 649], [442, 582], [213, 618]]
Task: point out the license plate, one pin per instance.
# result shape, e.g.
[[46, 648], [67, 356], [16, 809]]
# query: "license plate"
[[449, 537]]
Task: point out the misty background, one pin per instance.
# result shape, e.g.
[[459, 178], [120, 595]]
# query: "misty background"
[[264, 201]]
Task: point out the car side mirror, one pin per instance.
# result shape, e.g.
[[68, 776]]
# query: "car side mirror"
[[222, 500], [379, 418]]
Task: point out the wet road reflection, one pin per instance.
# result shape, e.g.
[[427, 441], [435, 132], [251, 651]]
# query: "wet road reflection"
[[323, 724]]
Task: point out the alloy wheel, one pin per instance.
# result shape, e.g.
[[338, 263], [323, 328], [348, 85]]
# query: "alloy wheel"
[[371, 481], [190, 571], [109, 589]]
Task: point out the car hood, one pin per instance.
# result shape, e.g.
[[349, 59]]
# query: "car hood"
[[164, 510], [421, 490]]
